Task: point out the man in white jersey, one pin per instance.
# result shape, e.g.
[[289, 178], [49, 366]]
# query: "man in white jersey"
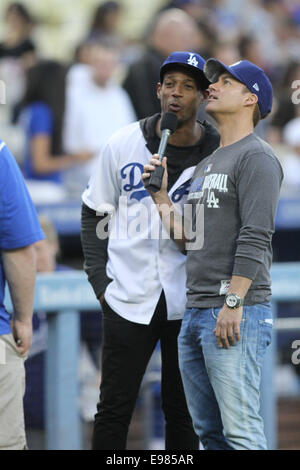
[[139, 275]]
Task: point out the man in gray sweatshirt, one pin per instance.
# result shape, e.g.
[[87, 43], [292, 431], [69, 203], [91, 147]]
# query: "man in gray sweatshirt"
[[228, 322]]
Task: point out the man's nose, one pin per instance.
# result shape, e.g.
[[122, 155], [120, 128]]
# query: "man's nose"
[[213, 87], [177, 91]]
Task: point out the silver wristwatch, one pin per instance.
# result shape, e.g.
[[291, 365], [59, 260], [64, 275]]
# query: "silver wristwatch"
[[233, 301]]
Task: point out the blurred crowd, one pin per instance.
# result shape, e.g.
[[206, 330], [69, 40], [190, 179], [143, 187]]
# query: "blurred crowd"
[[56, 116]]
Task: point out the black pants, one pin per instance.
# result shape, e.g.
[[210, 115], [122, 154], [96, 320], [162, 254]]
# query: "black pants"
[[127, 349]]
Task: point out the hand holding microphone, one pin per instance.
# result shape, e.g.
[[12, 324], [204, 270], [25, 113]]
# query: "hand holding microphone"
[[156, 165], [168, 126]]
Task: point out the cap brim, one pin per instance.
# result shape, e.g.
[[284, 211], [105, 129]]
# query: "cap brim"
[[198, 74], [213, 68]]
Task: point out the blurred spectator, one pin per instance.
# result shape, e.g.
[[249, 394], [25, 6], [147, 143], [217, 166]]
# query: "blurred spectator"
[[291, 161], [103, 28], [79, 73], [249, 49], [226, 52], [225, 22], [17, 51], [105, 22], [83, 52], [195, 8], [94, 112], [286, 109], [17, 42], [198, 10], [260, 18], [173, 30], [207, 37], [288, 34], [294, 9], [42, 119], [78, 76]]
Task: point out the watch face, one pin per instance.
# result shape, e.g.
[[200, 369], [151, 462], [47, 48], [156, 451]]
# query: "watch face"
[[231, 301]]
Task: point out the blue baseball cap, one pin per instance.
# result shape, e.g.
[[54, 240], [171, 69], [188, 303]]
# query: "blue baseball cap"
[[191, 61], [253, 77]]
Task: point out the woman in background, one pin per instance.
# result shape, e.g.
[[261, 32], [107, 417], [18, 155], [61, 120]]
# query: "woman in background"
[[42, 118], [105, 22], [17, 54], [17, 42]]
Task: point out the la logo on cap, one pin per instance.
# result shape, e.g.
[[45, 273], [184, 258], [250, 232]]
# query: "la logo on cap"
[[192, 60], [256, 87]]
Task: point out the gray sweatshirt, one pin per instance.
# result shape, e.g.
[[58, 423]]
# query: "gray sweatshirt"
[[238, 186]]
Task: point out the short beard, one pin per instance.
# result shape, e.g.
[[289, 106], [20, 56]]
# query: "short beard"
[[180, 124], [181, 121]]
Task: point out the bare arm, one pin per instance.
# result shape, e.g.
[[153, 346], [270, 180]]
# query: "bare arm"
[[44, 162], [20, 272], [171, 219]]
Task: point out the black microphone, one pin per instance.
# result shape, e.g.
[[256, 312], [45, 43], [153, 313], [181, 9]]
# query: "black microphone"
[[168, 126]]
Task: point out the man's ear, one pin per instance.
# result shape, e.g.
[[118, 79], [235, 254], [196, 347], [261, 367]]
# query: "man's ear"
[[158, 90], [251, 99], [205, 94]]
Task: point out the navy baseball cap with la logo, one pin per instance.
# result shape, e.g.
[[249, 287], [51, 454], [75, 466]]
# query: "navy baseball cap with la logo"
[[252, 76], [191, 61]]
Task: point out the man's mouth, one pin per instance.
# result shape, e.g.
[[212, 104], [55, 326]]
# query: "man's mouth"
[[174, 107], [212, 97]]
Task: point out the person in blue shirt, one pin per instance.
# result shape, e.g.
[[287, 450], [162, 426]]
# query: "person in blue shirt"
[[42, 119], [19, 230]]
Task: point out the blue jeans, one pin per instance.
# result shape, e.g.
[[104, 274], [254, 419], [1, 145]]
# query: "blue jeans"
[[222, 385]]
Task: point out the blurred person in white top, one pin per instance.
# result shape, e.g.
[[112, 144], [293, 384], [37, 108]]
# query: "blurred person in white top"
[[95, 109], [291, 161]]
